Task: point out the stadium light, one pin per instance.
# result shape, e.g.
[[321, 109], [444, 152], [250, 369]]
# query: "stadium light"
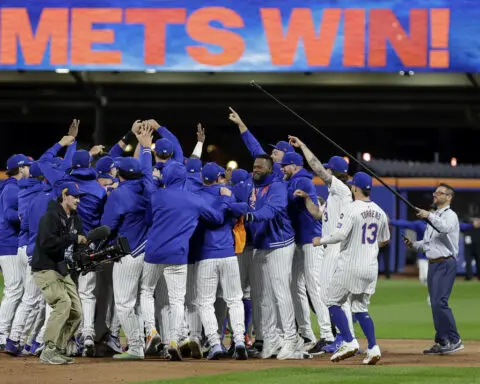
[[232, 164], [453, 162], [62, 70], [128, 148], [150, 70], [366, 157]]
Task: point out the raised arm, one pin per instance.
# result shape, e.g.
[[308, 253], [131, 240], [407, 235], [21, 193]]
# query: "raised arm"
[[250, 141], [197, 151], [165, 133], [312, 160], [312, 208]]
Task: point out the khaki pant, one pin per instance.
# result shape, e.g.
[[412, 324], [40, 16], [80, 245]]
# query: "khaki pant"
[[61, 295]]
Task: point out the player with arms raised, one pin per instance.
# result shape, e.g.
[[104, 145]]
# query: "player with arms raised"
[[361, 230]]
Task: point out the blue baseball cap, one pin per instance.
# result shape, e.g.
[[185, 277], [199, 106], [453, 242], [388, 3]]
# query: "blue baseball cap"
[[337, 163], [194, 165], [164, 146], [105, 164], [211, 171], [81, 159], [292, 158], [361, 180], [35, 170], [222, 170], [17, 161], [130, 165], [283, 146], [239, 175], [70, 188]]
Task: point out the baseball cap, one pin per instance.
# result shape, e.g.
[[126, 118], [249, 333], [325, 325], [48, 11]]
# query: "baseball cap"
[[163, 146], [130, 165], [35, 170], [337, 163], [222, 170], [17, 161], [70, 188], [194, 165], [361, 180], [81, 159], [105, 164], [239, 175], [211, 171], [283, 146], [292, 158]]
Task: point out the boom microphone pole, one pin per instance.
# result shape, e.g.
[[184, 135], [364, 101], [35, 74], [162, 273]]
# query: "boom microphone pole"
[[367, 169]]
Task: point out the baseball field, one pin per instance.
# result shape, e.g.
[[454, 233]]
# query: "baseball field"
[[403, 326]]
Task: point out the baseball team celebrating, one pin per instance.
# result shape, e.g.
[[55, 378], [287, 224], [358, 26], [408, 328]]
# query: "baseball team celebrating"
[[212, 251]]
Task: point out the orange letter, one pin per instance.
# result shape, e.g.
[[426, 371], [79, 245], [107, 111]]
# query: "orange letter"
[[155, 21], [318, 50], [199, 29], [384, 26], [354, 38], [83, 35], [52, 26]]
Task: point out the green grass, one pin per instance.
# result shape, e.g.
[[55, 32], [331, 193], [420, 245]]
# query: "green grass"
[[400, 311], [364, 375]]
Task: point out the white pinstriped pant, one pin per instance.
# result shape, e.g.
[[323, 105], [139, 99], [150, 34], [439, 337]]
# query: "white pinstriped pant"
[[308, 262], [86, 292], [28, 309], [330, 261], [162, 311], [192, 316], [126, 280], [245, 260], [276, 294], [210, 273], [13, 268], [176, 281]]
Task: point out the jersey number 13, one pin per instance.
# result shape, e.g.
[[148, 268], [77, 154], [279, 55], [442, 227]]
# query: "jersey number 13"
[[369, 233]]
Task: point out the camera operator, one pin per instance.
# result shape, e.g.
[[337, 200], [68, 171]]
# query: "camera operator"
[[59, 231]]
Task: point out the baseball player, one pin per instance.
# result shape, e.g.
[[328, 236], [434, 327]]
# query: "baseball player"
[[12, 263], [218, 265], [334, 175], [307, 259], [274, 246], [31, 300], [175, 214], [256, 149], [362, 228]]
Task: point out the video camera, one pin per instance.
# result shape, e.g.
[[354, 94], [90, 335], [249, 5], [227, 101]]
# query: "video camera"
[[91, 258]]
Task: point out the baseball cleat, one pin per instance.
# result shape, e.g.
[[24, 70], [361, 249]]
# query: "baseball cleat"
[[435, 349], [113, 343], [271, 349], [174, 351], [195, 348], [373, 356], [88, 346], [36, 348], [13, 348], [153, 341], [346, 350], [184, 346], [290, 347], [308, 344], [215, 352], [318, 349], [240, 352], [127, 356], [452, 348], [333, 347]]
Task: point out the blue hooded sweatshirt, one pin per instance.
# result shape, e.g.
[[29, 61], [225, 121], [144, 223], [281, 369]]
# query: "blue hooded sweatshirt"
[[271, 227], [216, 241], [304, 225], [92, 203], [50, 156], [176, 212], [29, 188], [125, 213], [256, 149], [36, 209], [9, 220]]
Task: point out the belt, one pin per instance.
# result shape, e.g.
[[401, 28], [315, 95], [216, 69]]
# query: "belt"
[[439, 259]]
